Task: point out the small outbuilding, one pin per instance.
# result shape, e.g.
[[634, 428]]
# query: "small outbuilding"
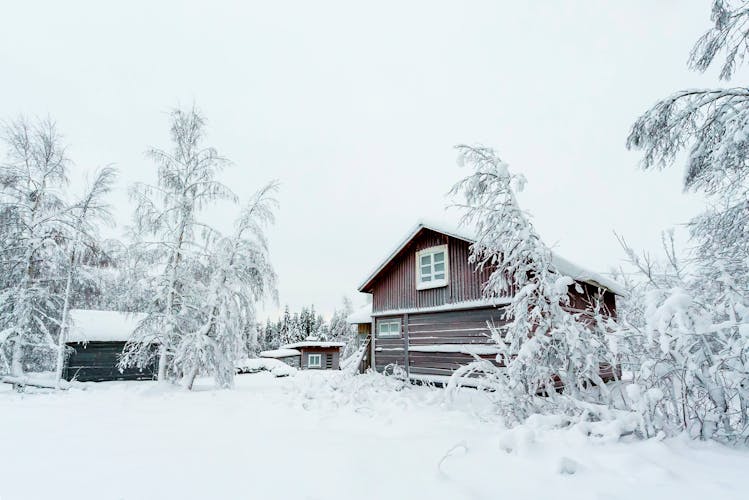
[[311, 354], [95, 341]]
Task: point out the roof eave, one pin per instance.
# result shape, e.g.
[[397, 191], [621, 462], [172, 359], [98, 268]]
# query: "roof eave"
[[366, 286]]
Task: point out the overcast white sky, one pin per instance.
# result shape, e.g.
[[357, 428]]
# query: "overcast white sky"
[[355, 109]]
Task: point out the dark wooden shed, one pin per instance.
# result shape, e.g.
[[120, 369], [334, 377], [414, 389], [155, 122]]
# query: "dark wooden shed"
[[95, 342]]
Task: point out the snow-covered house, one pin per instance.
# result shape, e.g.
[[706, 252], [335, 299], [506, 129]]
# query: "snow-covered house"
[[309, 354], [95, 341], [428, 312]]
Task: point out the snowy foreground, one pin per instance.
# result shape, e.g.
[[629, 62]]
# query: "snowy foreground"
[[325, 436]]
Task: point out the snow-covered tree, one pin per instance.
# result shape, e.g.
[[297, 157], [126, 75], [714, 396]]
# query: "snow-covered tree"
[[340, 329], [710, 126], [84, 216], [551, 355], [35, 227], [270, 337], [170, 233], [295, 332], [240, 275], [690, 315], [284, 326]]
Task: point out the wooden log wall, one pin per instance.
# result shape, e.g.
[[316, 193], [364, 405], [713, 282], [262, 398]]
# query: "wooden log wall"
[[452, 328], [330, 357], [97, 362], [396, 287]]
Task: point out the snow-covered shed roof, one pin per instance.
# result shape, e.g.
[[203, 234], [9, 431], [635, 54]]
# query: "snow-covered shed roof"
[[280, 353], [361, 315], [563, 265], [312, 343], [102, 326]]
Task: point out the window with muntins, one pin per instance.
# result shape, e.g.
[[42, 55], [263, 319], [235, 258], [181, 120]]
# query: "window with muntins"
[[431, 267], [314, 361], [389, 328]]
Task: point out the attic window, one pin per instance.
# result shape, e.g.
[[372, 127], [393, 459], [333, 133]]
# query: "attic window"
[[432, 267]]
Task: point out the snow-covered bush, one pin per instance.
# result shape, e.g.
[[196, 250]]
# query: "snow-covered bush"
[[686, 325], [275, 367], [685, 342]]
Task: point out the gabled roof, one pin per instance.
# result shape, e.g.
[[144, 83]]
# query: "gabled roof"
[[312, 343], [102, 326], [563, 265], [280, 353], [361, 315]]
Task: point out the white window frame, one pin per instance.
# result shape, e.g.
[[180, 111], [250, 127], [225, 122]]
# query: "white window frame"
[[432, 283], [389, 322], [318, 356]]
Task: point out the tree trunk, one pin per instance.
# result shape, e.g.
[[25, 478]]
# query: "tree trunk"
[[61, 340], [16, 365], [162, 363], [170, 303], [190, 378]]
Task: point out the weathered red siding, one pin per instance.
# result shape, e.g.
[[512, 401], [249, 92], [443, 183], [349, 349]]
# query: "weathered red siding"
[[396, 287], [459, 328]]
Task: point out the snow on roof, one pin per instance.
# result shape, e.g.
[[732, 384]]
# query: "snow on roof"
[[563, 265], [275, 367], [102, 326], [580, 274], [361, 315], [451, 306], [477, 349], [280, 353], [312, 343]]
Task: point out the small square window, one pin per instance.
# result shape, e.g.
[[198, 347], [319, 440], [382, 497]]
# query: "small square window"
[[389, 328], [314, 361]]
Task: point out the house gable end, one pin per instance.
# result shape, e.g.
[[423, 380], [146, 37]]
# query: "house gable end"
[[394, 285]]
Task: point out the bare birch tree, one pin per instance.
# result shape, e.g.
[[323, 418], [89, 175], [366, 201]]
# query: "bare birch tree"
[[240, 275], [35, 226], [86, 215], [169, 231]]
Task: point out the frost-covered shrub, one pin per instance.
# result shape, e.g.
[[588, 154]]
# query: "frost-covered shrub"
[[686, 324], [685, 343]]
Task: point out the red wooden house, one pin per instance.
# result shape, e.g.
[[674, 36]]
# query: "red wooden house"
[[428, 312]]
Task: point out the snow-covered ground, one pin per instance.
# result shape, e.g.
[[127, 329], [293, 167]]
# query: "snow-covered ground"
[[322, 435]]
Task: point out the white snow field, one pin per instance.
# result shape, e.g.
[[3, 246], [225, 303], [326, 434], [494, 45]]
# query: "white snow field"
[[325, 435]]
